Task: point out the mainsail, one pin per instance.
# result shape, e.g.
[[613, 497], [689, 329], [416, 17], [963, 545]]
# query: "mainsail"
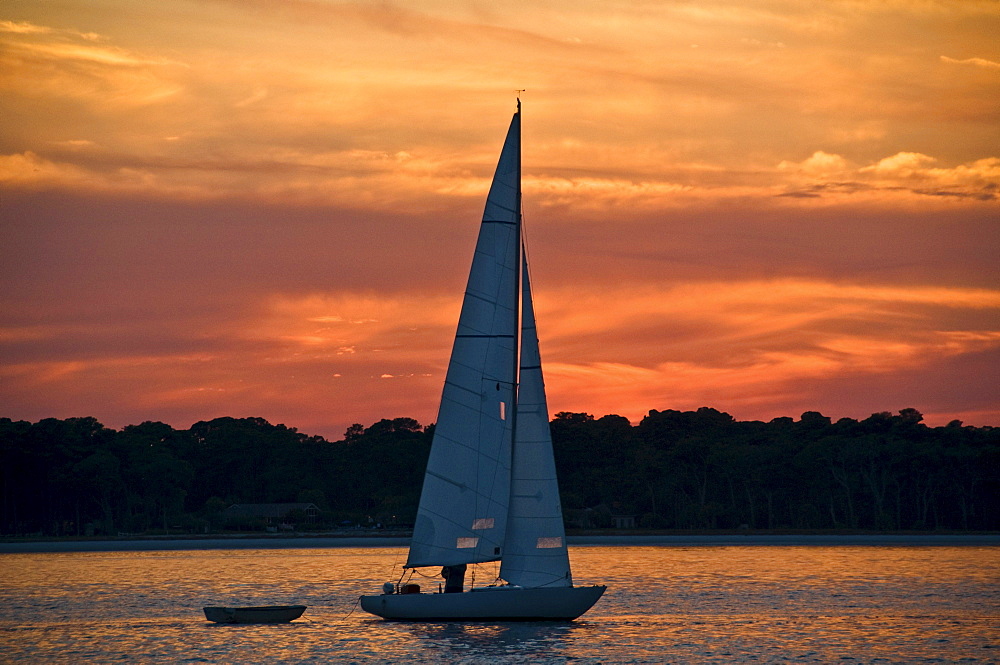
[[535, 553], [462, 516]]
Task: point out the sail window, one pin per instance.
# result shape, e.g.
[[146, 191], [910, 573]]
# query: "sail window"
[[544, 543], [466, 543], [483, 523]]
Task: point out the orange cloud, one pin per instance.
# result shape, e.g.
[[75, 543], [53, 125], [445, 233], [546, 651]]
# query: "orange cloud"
[[976, 62], [756, 204], [49, 63], [333, 118], [776, 334], [819, 164], [320, 360], [904, 175]]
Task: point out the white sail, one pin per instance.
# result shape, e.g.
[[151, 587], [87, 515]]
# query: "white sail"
[[535, 554], [462, 515]]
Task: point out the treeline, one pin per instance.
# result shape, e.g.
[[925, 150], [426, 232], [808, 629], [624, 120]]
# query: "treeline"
[[674, 470], [704, 470]]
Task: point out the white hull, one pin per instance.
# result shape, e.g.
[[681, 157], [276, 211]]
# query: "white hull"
[[486, 604]]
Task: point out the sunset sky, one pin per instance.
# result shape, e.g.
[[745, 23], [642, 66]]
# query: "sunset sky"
[[268, 207]]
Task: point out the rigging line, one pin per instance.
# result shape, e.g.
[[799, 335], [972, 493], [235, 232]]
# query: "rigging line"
[[417, 571], [395, 562], [478, 565], [356, 603], [524, 245], [399, 582]]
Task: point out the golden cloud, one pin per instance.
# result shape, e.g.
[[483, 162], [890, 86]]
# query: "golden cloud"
[[819, 164], [28, 28], [902, 175], [43, 62], [976, 62], [334, 119], [29, 169]]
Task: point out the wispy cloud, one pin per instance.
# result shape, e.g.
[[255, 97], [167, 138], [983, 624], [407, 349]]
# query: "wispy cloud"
[[975, 62], [28, 28], [23, 28], [40, 62]]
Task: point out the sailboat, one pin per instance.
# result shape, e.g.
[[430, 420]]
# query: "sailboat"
[[490, 491]]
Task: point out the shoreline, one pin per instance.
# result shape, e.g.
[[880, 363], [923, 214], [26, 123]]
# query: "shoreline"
[[221, 542]]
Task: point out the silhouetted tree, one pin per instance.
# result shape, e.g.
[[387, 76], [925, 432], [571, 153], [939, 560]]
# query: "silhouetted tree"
[[674, 469]]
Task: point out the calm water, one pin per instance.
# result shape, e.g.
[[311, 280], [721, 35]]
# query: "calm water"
[[664, 604]]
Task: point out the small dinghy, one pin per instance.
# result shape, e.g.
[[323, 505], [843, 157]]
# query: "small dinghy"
[[266, 614]]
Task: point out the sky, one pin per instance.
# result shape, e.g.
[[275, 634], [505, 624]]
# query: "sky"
[[268, 208]]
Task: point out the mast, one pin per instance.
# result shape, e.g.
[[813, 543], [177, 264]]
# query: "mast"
[[518, 297]]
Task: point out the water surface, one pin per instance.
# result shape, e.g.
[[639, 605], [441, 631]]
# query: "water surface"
[[703, 604]]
